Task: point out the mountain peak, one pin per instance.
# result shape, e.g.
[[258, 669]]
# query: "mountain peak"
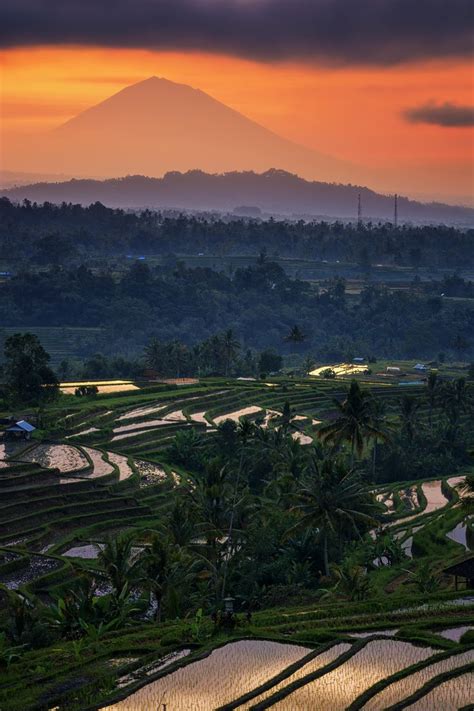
[[155, 82], [157, 125]]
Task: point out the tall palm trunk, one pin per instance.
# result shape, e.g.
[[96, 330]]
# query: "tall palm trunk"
[[326, 555]]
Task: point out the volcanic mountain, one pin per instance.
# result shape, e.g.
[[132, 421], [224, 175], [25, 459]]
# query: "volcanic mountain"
[[156, 126]]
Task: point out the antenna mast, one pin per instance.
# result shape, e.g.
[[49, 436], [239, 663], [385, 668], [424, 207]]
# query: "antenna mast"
[[359, 212], [395, 213]]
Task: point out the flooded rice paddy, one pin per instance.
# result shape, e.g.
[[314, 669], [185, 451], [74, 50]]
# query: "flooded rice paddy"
[[101, 467], [121, 461], [237, 414], [449, 696], [200, 418], [224, 675], [127, 435], [405, 687], [152, 668], [103, 386], [407, 543], [302, 438], [317, 663], [341, 369], [459, 533], [10, 450], [64, 457], [455, 481], [37, 567], [338, 688], [146, 424], [141, 411], [435, 499], [89, 551], [454, 633], [89, 430]]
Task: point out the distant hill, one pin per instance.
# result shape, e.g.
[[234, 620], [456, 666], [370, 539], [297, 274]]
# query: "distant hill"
[[274, 191]]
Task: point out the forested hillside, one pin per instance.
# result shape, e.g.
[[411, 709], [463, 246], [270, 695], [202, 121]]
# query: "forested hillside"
[[260, 304], [59, 234]]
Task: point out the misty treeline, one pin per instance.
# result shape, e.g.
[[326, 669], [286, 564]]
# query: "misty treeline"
[[260, 304], [62, 234]]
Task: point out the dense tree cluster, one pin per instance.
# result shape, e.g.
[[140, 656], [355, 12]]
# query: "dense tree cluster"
[[26, 374], [260, 304], [48, 233]]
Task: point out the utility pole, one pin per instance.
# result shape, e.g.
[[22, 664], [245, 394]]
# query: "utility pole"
[[359, 212], [395, 212]]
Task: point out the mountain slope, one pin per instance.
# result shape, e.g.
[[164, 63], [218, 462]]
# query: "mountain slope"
[[274, 191], [156, 126]]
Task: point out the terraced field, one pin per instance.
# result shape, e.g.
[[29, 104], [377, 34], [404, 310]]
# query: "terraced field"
[[106, 471], [64, 342]]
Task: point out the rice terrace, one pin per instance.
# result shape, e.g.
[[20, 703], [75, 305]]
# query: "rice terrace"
[[236, 355], [145, 563]]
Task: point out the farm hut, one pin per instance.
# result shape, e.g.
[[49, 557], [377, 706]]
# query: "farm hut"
[[393, 369], [420, 367], [20, 430], [358, 359], [463, 571]]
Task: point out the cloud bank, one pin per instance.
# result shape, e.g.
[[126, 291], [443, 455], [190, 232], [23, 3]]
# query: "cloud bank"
[[340, 32], [448, 115]]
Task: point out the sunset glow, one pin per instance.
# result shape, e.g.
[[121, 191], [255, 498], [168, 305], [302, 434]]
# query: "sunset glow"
[[351, 113]]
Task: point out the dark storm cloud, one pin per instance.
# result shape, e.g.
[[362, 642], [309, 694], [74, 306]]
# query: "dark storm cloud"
[[449, 115], [334, 31]]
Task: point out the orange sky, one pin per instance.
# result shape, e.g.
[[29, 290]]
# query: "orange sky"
[[349, 113]]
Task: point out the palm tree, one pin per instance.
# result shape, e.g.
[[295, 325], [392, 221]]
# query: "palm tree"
[[356, 423], [466, 489], [180, 525], [284, 420], [409, 407], [432, 390], [295, 335], [155, 563], [380, 423], [230, 347], [308, 365], [333, 499], [116, 560], [178, 353], [211, 496], [351, 580], [154, 355], [457, 400]]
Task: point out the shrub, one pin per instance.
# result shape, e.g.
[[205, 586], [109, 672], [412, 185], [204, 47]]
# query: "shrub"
[[328, 374]]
